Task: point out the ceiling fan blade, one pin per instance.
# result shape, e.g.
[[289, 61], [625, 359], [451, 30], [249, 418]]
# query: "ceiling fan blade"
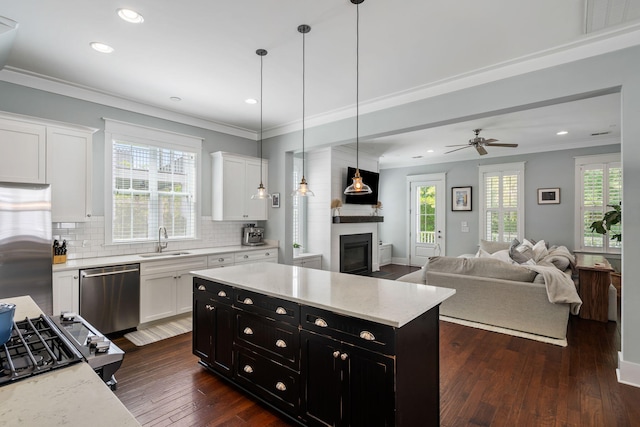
[[461, 148], [481, 150], [490, 140], [501, 145], [458, 145]]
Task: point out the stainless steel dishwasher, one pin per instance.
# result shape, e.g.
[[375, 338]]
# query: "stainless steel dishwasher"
[[110, 297]]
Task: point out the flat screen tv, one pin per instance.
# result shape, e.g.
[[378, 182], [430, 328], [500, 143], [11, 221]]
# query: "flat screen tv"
[[369, 178]]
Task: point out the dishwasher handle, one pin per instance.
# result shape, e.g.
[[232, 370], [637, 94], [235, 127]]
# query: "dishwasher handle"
[[109, 273]]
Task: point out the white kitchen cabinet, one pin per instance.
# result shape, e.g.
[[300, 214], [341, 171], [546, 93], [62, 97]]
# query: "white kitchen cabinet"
[[69, 159], [66, 291], [220, 260], [308, 261], [22, 151], [35, 150], [166, 287], [384, 254], [235, 179]]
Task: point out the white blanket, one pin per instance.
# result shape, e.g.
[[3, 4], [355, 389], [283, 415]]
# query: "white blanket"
[[560, 287]]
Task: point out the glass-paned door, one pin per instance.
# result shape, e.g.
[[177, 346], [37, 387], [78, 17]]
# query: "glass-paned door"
[[427, 220]]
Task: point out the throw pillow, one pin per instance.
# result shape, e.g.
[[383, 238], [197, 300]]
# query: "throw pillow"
[[539, 250], [492, 247], [521, 252]]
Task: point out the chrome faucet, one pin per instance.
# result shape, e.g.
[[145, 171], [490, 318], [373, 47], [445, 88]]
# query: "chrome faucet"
[[161, 246]]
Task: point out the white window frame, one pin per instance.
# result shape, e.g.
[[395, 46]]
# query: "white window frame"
[[121, 131], [608, 160], [502, 168]]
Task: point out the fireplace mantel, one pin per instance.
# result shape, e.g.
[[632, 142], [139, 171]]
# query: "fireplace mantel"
[[351, 219]]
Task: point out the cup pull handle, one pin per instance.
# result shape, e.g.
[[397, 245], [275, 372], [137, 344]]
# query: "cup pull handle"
[[281, 344], [281, 310], [222, 294], [248, 369], [280, 386], [248, 331], [248, 301], [202, 288], [321, 322], [366, 335]]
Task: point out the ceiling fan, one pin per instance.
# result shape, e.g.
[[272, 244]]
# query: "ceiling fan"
[[479, 143]]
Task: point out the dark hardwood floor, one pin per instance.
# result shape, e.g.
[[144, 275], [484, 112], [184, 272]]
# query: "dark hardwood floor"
[[486, 379]]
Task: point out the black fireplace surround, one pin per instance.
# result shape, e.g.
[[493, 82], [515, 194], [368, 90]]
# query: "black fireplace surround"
[[355, 253]]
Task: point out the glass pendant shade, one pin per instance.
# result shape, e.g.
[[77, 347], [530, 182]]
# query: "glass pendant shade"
[[261, 193], [358, 187], [303, 189]]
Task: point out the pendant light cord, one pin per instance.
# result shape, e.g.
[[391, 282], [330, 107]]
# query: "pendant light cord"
[[303, 99], [261, 66], [357, 86]]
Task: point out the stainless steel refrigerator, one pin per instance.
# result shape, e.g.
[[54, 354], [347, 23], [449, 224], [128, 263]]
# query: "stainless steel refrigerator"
[[25, 243]]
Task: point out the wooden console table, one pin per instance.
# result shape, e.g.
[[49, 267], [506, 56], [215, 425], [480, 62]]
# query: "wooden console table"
[[594, 277]]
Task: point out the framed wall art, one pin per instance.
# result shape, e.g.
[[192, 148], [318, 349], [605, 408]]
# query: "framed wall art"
[[275, 200], [461, 198], [548, 196]]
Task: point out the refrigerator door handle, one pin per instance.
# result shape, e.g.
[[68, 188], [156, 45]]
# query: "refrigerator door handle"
[[110, 273]]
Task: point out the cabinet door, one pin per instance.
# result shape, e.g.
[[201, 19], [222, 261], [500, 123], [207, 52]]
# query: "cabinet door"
[[213, 332], [69, 159], [256, 209], [321, 379], [66, 292], [157, 296], [22, 152], [368, 391], [184, 293], [233, 177]]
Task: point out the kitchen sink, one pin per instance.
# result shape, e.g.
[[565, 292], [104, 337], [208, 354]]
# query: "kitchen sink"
[[158, 254]]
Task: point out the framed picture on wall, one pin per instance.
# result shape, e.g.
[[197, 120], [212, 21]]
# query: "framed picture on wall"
[[275, 200], [461, 198], [548, 196]]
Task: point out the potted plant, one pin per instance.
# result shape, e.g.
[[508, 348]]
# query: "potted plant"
[[296, 249], [376, 208], [609, 219], [335, 206]]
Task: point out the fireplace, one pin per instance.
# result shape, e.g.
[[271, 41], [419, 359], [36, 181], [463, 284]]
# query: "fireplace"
[[355, 253]]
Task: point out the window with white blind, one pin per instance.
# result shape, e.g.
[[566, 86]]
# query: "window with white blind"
[[501, 202], [598, 184], [152, 183]]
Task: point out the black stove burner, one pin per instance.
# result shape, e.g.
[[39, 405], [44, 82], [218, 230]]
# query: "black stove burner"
[[35, 346]]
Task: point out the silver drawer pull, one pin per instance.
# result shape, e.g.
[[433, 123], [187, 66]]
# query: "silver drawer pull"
[[366, 335], [248, 369], [280, 386], [281, 344], [321, 322], [267, 254], [281, 310], [220, 259], [246, 257], [248, 331], [336, 354], [202, 288], [248, 301], [344, 356], [222, 294]]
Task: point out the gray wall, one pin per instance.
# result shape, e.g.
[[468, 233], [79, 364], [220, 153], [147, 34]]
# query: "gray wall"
[[553, 223], [32, 102]]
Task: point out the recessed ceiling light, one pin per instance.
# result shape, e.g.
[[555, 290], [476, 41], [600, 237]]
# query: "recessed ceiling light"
[[251, 101], [130, 16], [175, 99], [101, 47], [429, 151], [562, 132]]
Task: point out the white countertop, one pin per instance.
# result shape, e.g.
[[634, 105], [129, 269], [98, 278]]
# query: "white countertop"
[[70, 396], [384, 301], [76, 264]]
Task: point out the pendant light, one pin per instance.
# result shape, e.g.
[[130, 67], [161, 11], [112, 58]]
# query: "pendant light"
[[262, 192], [358, 187], [303, 188]]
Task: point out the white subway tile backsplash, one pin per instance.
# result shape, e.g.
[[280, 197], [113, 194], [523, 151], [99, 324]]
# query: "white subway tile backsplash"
[[86, 239]]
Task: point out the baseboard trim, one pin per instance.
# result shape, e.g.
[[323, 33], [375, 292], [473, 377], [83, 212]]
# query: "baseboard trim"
[[399, 261], [628, 372]]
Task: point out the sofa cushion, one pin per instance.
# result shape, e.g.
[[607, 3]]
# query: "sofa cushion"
[[492, 247], [483, 267], [502, 255]]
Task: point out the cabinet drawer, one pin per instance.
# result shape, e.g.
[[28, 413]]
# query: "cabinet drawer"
[[271, 381], [220, 260], [271, 307], [172, 265], [216, 291], [276, 340], [267, 255], [363, 333]]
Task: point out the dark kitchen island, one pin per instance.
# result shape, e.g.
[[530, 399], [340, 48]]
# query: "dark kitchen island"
[[323, 348]]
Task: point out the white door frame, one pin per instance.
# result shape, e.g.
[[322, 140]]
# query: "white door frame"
[[440, 209]]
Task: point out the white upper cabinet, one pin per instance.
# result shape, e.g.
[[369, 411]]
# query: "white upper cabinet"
[[22, 151], [35, 150], [69, 158], [235, 180]]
